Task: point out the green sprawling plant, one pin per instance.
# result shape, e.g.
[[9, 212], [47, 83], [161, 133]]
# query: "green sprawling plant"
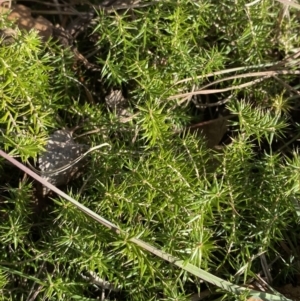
[[218, 210]]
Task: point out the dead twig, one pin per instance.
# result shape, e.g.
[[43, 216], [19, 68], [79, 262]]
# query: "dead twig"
[[262, 76], [290, 3]]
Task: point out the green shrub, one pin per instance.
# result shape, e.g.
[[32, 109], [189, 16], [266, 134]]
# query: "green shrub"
[[216, 210]]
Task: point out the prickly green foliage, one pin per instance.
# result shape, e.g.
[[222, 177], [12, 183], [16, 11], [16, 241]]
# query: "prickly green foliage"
[[151, 53], [262, 123], [26, 102], [218, 211]]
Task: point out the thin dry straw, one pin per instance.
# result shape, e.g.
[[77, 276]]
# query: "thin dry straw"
[[289, 3], [262, 76]]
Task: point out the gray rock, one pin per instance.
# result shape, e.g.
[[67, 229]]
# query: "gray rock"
[[56, 164]]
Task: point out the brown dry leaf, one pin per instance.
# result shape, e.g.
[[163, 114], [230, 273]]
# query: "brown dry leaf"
[[213, 130], [21, 15]]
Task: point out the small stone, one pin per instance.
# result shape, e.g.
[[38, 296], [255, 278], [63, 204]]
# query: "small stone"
[[61, 150]]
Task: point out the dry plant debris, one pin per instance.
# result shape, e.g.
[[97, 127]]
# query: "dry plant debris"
[[21, 15]]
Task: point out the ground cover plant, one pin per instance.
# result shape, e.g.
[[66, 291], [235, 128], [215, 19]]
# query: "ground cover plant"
[[198, 102]]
